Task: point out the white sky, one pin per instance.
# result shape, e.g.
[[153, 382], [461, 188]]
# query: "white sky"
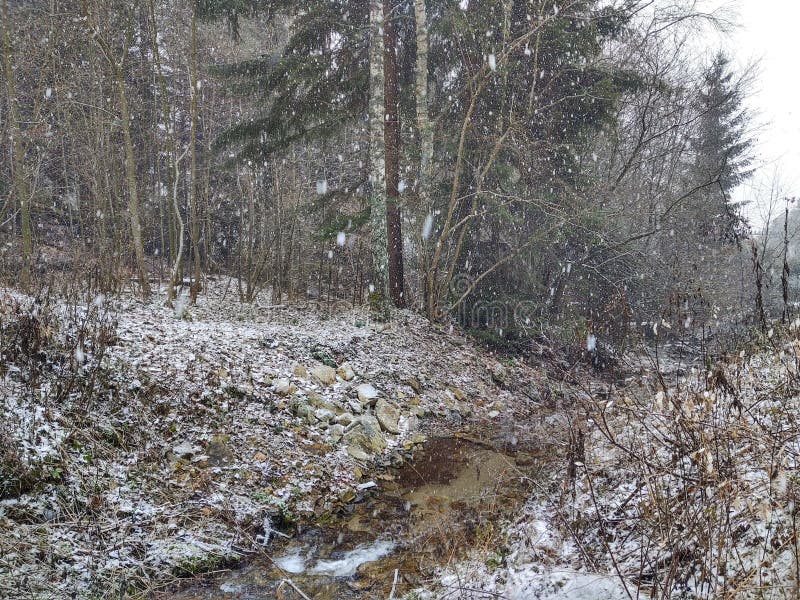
[[768, 33]]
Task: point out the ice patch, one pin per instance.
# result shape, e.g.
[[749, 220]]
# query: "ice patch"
[[350, 561]]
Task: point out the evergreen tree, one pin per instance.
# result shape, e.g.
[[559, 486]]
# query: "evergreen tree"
[[723, 151]]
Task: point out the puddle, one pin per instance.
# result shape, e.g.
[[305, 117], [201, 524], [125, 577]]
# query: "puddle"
[[452, 493]]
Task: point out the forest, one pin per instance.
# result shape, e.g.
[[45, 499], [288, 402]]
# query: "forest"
[[391, 299]]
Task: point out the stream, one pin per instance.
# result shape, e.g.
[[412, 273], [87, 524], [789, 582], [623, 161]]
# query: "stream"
[[450, 498]]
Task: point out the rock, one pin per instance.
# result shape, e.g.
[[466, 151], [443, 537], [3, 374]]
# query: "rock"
[[284, 387], [415, 384], [457, 392], [355, 406], [324, 415], [499, 373], [186, 450], [324, 374], [337, 432], [366, 433], [318, 401], [357, 452], [259, 457], [418, 411], [345, 372], [345, 419], [299, 370], [387, 415], [218, 452], [366, 394]]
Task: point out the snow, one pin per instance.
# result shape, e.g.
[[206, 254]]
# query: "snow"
[[138, 461]]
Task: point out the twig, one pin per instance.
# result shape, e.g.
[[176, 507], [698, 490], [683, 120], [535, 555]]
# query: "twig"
[[394, 584], [295, 588]]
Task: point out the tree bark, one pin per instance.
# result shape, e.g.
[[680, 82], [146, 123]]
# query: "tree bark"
[[194, 225], [391, 135], [379, 289], [425, 133]]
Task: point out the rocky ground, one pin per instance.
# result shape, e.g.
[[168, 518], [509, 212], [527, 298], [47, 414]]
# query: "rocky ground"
[[143, 443]]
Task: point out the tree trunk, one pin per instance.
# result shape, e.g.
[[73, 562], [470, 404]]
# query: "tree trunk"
[[173, 171], [194, 225], [391, 135], [130, 160], [20, 189], [133, 192], [379, 289], [425, 133]]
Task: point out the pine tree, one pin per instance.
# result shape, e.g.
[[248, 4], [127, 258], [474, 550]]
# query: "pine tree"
[[329, 75], [723, 150]]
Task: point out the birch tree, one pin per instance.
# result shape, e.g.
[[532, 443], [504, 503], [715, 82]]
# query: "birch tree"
[[379, 288]]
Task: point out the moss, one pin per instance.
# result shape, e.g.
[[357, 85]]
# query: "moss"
[[206, 562]]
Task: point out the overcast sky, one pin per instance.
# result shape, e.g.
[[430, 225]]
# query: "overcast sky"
[[768, 33]]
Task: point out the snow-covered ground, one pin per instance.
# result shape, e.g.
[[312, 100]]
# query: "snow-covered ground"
[[163, 445], [680, 487], [152, 443]]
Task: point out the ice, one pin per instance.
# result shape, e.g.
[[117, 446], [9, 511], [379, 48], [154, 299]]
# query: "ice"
[[294, 562], [350, 561]]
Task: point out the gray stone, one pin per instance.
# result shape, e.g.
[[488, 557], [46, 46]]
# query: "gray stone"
[[387, 415], [366, 432], [367, 394], [284, 387], [345, 419], [337, 432]]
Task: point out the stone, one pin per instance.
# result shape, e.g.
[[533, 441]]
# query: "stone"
[[324, 374], [418, 411], [387, 415], [345, 372], [218, 452], [345, 419], [299, 370], [415, 384], [499, 373], [284, 387], [185, 450], [337, 432], [367, 394], [366, 433], [357, 452], [324, 415]]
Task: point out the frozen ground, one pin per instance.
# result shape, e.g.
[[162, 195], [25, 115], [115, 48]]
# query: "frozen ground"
[[170, 449], [151, 443]]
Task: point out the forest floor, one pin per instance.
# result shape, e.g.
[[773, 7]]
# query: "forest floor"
[[151, 443], [144, 444]]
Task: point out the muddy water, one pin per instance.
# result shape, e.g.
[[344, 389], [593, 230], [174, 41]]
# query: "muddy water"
[[451, 497]]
